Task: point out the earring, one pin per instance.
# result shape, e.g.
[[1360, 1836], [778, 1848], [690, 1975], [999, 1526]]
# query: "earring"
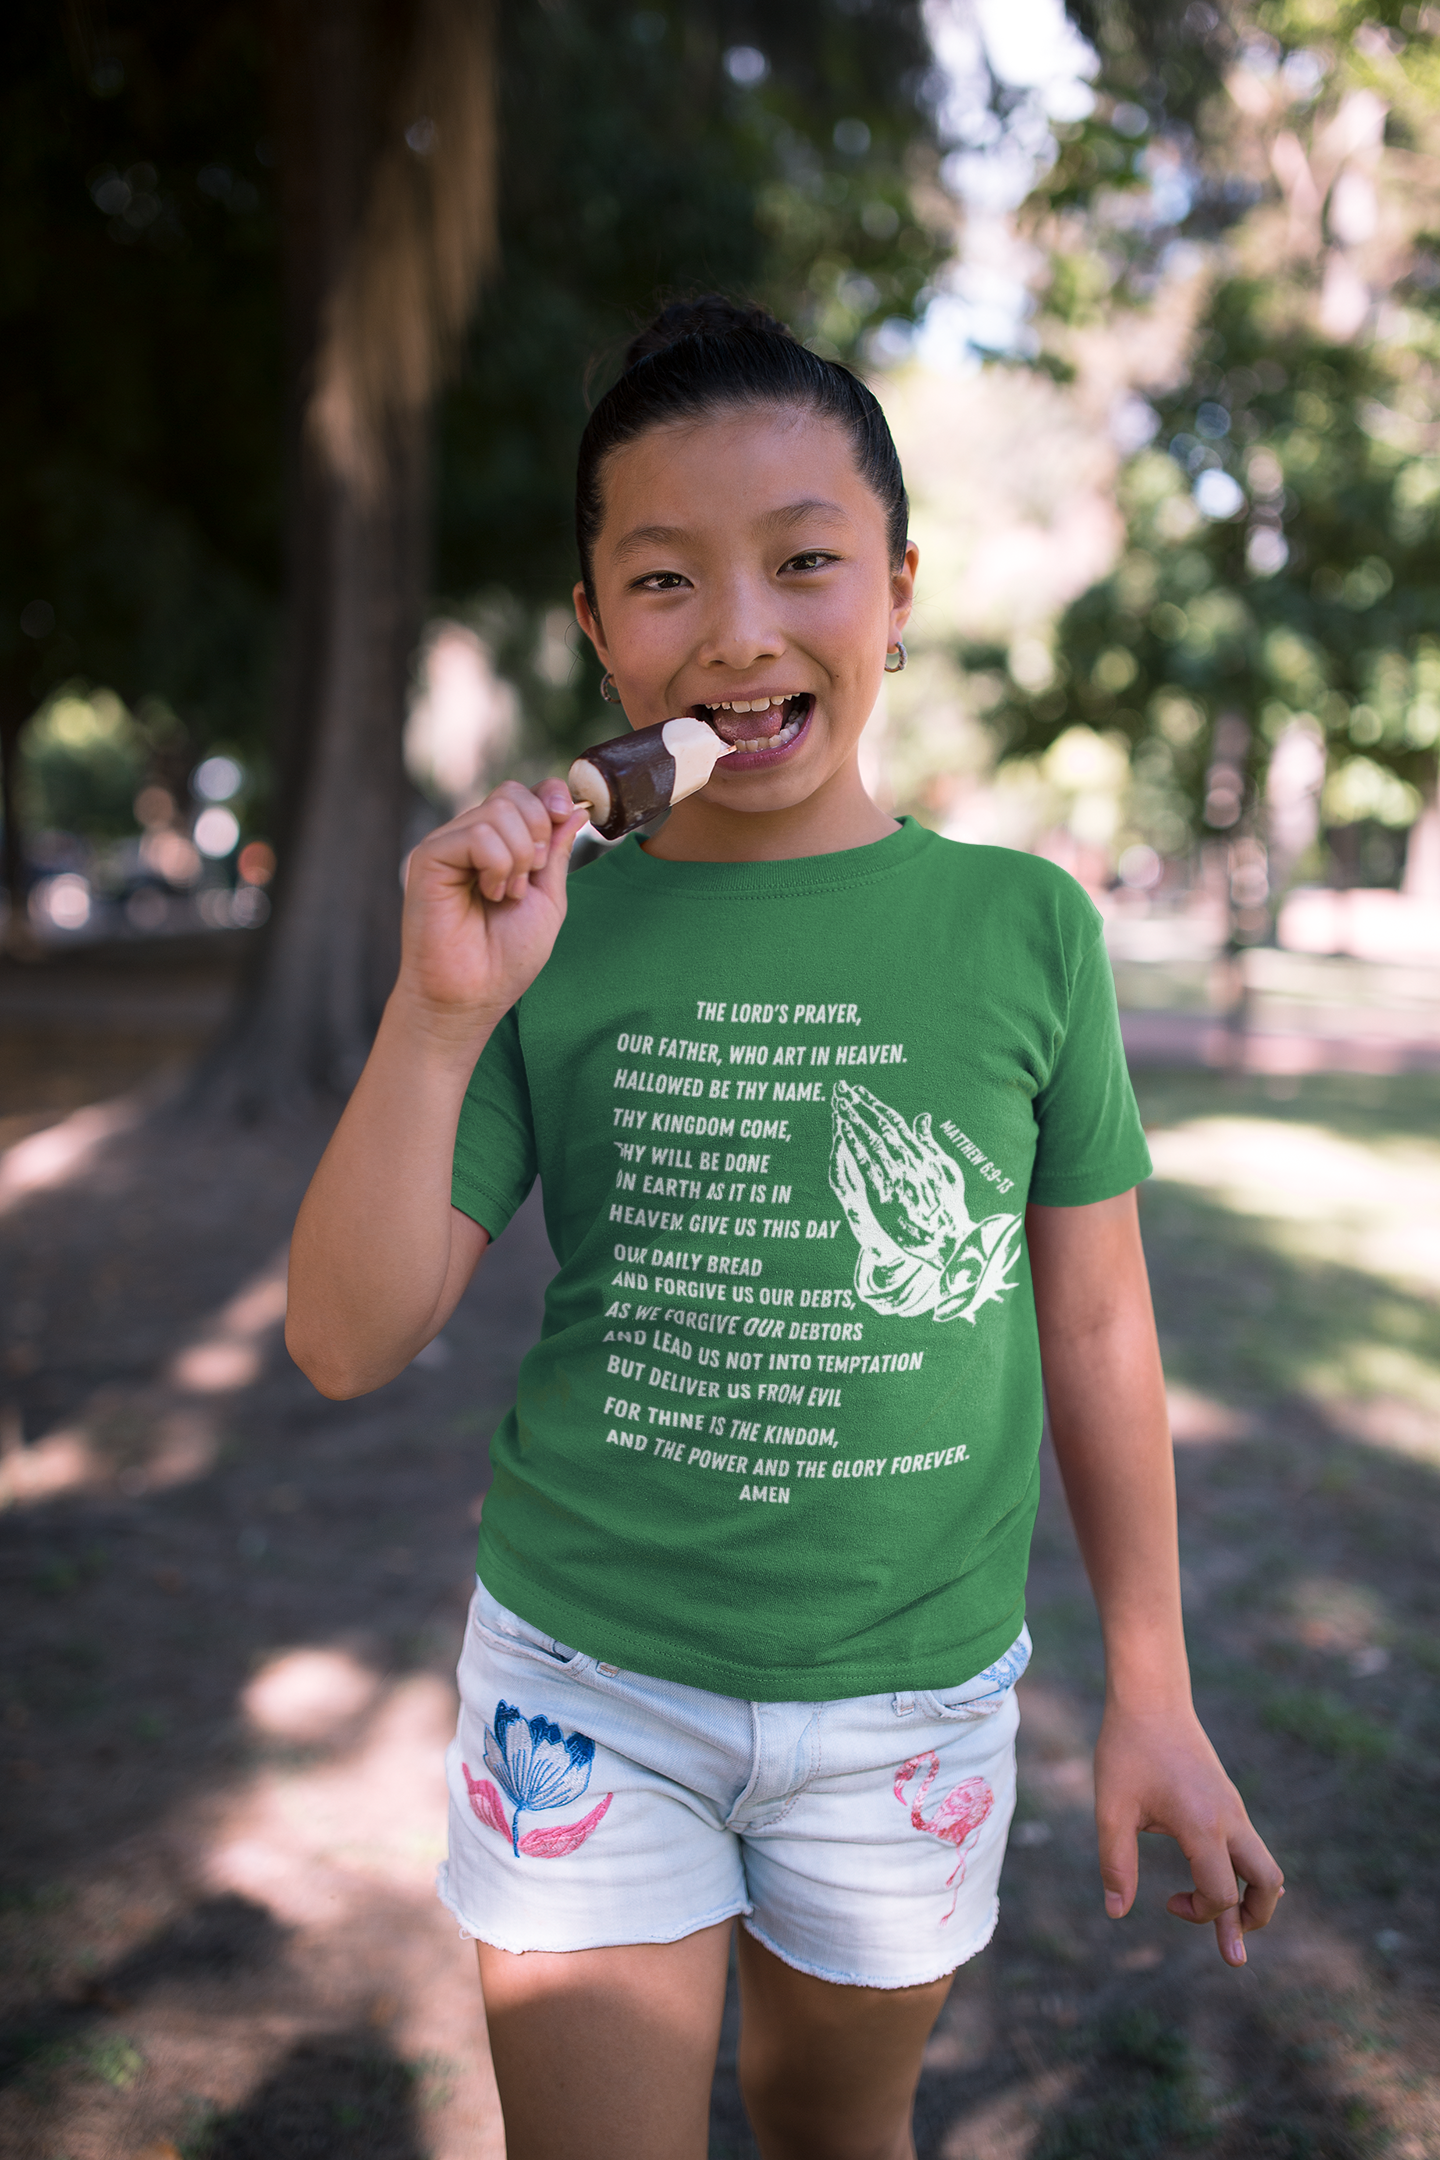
[[895, 658], [608, 690]]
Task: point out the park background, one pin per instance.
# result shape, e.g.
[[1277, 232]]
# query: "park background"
[[302, 309]]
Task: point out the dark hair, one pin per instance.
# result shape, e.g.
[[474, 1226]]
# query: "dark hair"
[[699, 356]]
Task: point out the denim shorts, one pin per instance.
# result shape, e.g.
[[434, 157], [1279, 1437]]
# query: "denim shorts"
[[859, 1840]]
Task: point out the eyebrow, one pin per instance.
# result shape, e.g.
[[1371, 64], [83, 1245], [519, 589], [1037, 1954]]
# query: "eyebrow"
[[662, 536]]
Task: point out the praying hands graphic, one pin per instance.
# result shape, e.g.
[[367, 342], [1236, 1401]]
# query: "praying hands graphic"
[[904, 1198]]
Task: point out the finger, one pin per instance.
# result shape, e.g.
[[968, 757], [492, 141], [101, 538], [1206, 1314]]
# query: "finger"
[[1263, 1880], [557, 801], [531, 806], [1200, 1912], [525, 824], [505, 818], [479, 848], [1215, 1898], [551, 880], [491, 860], [1201, 1906], [1119, 1866]]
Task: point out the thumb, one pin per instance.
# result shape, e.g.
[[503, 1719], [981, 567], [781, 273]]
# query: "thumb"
[[1119, 1867]]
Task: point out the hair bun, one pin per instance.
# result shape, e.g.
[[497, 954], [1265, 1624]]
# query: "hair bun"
[[709, 315]]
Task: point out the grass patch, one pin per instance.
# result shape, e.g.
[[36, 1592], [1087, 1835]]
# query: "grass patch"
[[40, 2054], [32, 1898], [1143, 2098], [1362, 1106], [114, 2059], [1325, 1722], [333, 2094]]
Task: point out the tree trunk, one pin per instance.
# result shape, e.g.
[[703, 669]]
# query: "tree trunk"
[[376, 233], [15, 710], [329, 964]]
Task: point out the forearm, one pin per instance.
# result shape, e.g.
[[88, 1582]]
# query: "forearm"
[[1154, 1767], [1113, 1447], [1105, 1393], [377, 1248]]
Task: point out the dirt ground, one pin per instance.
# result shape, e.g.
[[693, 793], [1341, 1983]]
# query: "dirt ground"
[[230, 1613]]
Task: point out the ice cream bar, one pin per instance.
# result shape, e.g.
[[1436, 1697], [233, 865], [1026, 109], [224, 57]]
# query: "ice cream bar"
[[632, 779]]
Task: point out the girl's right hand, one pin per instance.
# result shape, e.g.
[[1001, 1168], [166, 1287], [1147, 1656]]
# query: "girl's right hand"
[[484, 901]]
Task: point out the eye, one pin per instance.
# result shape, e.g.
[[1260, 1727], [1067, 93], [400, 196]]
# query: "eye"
[[660, 581], [812, 559]]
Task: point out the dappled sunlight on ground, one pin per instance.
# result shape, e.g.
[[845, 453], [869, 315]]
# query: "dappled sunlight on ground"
[[308, 1694], [1334, 1244], [331, 1851], [342, 1848], [1194, 1416], [146, 1438], [229, 1351], [236, 1610], [61, 1152], [307, 1838], [236, 1607], [1373, 1206]]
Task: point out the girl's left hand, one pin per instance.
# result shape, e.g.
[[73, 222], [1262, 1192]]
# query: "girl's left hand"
[[1157, 1771]]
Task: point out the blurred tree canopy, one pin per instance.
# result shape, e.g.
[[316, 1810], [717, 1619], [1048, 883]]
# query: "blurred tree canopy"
[[241, 248], [714, 143], [1272, 169], [141, 377], [144, 374]]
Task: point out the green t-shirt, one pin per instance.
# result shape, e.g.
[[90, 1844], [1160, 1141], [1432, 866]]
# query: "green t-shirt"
[[779, 1437]]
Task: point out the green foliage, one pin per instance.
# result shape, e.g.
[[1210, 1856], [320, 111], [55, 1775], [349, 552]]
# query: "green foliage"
[[83, 761], [1321, 595], [144, 381], [141, 378], [636, 168], [1282, 550]]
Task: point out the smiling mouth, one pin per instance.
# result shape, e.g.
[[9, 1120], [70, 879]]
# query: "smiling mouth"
[[758, 724]]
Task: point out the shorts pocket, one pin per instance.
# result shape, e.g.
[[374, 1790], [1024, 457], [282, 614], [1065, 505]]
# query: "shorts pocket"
[[986, 1693], [504, 1630]]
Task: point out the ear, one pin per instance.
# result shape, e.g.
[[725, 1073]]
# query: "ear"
[[590, 623], [902, 590]]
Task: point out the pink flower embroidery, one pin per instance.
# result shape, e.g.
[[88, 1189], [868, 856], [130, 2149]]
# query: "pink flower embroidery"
[[488, 1808], [957, 1818]]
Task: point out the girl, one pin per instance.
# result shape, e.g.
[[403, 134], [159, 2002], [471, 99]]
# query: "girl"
[[838, 1152]]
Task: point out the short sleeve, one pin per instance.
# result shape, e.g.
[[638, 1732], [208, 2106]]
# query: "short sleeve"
[[495, 1142], [1090, 1143]]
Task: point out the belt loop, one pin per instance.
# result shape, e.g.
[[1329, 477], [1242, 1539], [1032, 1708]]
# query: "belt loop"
[[904, 1705]]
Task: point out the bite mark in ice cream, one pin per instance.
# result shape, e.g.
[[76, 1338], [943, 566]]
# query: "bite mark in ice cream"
[[628, 781]]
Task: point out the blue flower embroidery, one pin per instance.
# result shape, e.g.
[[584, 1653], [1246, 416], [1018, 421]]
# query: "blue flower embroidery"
[[537, 1765]]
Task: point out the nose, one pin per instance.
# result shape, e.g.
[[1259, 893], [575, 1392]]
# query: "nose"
[[740, 626]]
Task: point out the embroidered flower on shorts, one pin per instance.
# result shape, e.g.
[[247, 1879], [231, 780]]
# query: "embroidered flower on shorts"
[[539, 1768], [957, 1818]]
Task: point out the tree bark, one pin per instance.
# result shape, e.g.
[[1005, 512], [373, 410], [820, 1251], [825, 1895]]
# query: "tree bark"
[[15, 710], [329, 964], [360, 210]]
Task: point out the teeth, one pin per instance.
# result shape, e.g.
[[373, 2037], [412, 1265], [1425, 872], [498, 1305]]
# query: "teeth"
[[748, 705], [787, 734]]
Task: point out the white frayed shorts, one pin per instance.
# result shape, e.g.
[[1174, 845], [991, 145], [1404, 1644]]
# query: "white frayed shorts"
[[860, 1840]]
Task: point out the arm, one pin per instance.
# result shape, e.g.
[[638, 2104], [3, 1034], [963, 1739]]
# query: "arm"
[[1154, 1767], [380, 1258]]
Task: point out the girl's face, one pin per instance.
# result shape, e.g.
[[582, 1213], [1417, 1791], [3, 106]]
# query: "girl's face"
[[744, 563]]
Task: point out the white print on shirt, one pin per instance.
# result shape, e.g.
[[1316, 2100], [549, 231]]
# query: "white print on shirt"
[[904, 1198]]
